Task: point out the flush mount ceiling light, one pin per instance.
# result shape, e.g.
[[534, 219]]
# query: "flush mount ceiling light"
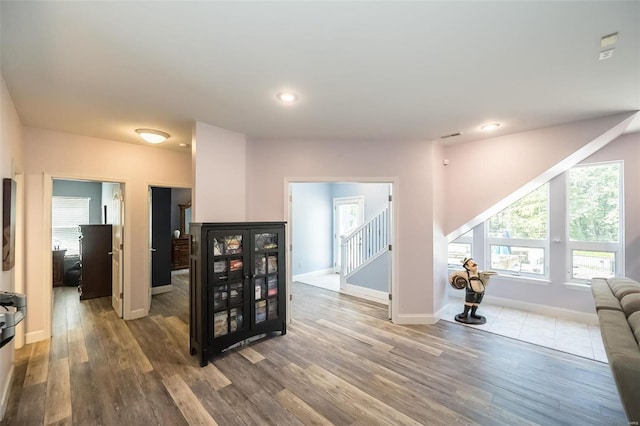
[[287, 97], [152, 136], [488, 127]]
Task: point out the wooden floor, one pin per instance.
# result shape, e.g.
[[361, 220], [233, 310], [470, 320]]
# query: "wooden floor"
[[341, 362]]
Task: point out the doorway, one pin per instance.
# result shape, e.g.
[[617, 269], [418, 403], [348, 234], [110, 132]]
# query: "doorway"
[[169, 217], [95, 208], [314, 228]]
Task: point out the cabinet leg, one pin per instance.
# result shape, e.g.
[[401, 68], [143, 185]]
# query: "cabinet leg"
[[284, 328]]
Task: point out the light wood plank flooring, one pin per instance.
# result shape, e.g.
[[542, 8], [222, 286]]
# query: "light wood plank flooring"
[[341, 363]]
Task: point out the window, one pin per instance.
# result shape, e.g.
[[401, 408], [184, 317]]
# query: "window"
[[594, 212], [67, 214], [517, 237], [459, 249]]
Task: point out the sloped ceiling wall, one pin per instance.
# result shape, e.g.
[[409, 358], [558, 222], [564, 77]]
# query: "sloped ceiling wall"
[[483, 177]]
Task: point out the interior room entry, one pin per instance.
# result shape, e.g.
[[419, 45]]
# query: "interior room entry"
[[78, 208]]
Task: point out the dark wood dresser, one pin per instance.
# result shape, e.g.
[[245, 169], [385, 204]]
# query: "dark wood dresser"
[[180, 253], [58, 267]]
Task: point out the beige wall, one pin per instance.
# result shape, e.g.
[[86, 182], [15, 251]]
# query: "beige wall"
[[62, 155], [219, 175], [11, 165]]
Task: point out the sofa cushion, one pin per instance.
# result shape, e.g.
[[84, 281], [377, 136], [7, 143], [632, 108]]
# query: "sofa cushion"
[[634, 323], [616, 333], [603, 296], [623, 286], [630, 303]]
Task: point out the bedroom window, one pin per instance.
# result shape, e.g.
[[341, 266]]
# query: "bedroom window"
[[67, 214], [517, 237], [594, 211]]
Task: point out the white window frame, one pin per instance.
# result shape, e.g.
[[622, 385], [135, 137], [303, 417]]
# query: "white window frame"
[[521, 242], [616, 248]]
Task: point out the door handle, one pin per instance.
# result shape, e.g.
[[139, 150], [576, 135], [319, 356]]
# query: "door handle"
[[152, 249], [110, 253]]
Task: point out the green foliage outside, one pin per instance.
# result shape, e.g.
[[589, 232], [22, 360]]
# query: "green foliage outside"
[[526, 218], [594, 203]]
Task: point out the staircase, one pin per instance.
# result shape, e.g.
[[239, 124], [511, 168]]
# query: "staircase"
[[365, 244]]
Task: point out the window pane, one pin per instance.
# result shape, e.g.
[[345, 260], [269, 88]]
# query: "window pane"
[[589, 264], [66, 214], [524, 219], [518, 259], [457, 252], [460, 248], [594, 203]]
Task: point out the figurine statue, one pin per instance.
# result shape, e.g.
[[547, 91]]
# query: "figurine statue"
[[474, 283]]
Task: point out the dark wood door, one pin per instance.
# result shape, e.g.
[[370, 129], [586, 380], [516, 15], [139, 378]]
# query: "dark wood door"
[[95, 257], [160, 237]]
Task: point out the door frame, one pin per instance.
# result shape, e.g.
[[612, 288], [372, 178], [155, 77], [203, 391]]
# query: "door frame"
[[46, 289], [393, 238], [336, 238], [146, 255]]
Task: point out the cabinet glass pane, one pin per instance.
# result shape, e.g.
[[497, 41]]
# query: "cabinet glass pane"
[[235, 294], [260, 288], [272, 285], [220, 297], [228, 244], [235, 265], [235, 320], [261, 265], [272, 264], [219, 266], [266, 241], [272, 308], [220, 324], [261, 311]]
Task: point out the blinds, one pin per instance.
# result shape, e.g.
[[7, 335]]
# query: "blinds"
[[67, 214]]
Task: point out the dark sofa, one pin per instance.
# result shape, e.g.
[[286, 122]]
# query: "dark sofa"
[[617, 302]]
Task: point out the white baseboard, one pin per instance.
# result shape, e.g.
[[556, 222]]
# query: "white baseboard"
[[366, 293], [5, 393], [161, 289], [312, 274], [138, 313], [552, 311], [416, 319], [35, 336]]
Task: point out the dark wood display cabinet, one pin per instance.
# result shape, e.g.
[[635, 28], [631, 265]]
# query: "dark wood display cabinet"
[[237, 284]]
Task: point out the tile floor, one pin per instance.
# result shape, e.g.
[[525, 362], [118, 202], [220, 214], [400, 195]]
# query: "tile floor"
[[563, 335], [573, 337]]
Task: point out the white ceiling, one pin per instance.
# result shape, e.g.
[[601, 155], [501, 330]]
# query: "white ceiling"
[[363, 70]]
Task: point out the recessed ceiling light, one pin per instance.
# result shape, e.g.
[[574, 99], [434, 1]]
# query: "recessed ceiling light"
[[287, 97], [487, 127], [152, 136]]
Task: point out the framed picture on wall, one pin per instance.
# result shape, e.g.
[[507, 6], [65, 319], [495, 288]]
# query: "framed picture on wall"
[[8, 224]]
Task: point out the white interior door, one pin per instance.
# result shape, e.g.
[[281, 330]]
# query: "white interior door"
[[115, 216], [348, 214]]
